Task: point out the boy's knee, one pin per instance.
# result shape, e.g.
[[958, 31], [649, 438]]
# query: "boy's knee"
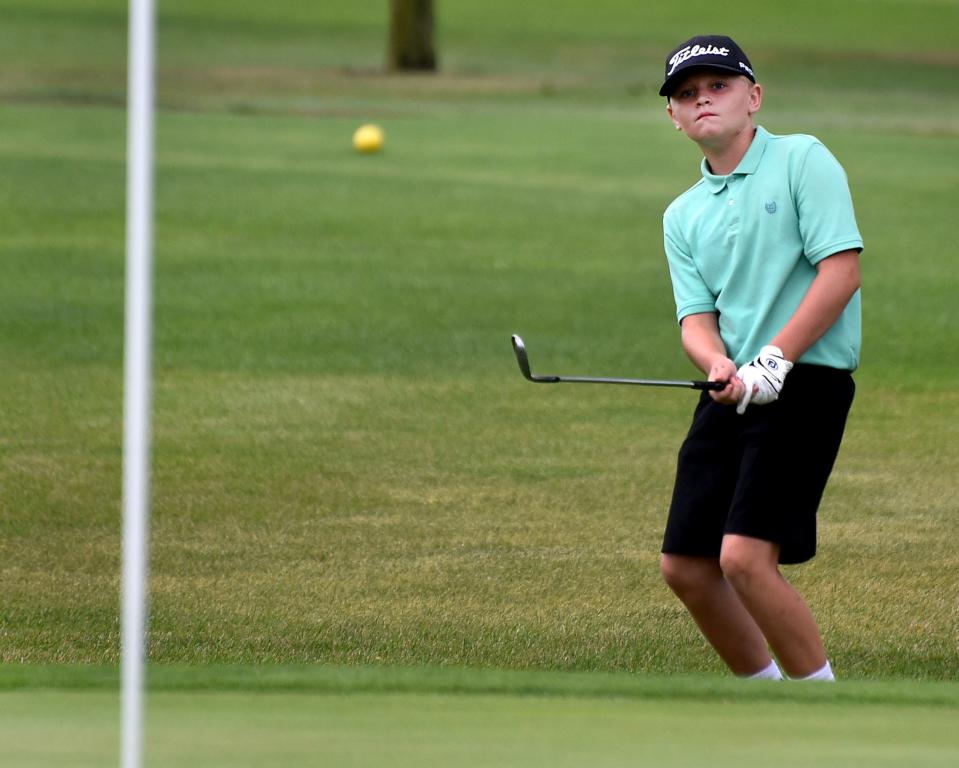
[[685, 574], [746, 562], [736, 567], [670, 571]]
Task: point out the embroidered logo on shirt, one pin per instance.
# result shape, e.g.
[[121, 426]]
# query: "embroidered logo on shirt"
[[771, 206]]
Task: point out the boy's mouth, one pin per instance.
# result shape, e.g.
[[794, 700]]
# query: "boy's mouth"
[[706, 114]]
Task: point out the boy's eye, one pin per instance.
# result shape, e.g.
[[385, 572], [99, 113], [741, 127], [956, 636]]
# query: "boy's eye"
[[719, 85], [686, 93]]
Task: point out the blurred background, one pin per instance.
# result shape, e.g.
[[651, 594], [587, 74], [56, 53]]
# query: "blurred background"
[[348, 467]]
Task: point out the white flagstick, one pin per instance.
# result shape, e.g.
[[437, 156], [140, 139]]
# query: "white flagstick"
[[137, 375]]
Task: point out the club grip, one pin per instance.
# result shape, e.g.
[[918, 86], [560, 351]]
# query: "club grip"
[[714, 386]]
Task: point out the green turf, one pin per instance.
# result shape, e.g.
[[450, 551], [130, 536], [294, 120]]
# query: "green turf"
[[240, 716], [348, 467], [244, 729]]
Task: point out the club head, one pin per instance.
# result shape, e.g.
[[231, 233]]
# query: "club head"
[[520, 350]]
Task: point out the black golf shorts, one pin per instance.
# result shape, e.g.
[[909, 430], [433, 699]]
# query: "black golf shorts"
[[761, 474]]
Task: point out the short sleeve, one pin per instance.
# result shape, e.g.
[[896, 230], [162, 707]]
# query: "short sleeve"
[[690, 291], [827, 221]]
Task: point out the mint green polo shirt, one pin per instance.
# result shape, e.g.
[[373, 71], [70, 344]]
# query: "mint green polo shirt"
[[746, 245]]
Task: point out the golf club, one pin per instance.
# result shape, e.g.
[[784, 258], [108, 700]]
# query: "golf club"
[[523, 359]]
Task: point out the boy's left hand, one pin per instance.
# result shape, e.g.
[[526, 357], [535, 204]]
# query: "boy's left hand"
[[724, 369], [763, 377]]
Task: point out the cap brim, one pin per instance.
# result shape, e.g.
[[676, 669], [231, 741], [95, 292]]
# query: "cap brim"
[[673, 80]]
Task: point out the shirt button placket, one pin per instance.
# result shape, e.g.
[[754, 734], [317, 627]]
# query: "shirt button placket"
[[732, 216]]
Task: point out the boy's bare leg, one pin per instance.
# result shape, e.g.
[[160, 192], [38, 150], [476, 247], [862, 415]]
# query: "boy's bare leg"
[[751, 566], [717, 609]]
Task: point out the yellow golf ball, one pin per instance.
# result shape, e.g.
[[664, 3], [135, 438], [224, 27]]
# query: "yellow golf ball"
[[368, 139]]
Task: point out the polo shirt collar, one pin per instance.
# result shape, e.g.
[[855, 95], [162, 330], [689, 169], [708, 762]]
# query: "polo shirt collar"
[[747, 165]]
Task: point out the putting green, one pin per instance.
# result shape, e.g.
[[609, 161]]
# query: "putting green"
[[341, 716], [244, 728]]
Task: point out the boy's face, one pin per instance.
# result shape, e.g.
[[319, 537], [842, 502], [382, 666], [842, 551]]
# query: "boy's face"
[[712, 107]]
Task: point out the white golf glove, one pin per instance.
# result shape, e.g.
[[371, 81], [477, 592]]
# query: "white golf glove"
[[763, 377]]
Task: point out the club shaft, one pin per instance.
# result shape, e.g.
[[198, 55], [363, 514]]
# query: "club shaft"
[[635, 382], [523, 360]]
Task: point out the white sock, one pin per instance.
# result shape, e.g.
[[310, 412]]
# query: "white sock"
[[820, 674], [770, 672]]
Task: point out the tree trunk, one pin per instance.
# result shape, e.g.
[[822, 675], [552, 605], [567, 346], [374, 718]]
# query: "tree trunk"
[[411, 35]]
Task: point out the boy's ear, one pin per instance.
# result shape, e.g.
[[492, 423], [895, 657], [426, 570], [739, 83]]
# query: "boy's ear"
[[669, 111], [755, 98]]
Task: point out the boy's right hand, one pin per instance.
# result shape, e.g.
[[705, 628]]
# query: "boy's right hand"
[[724, 369]]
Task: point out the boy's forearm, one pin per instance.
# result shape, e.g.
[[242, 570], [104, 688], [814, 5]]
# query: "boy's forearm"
[[834, 285], [705, 347], [702, 341]]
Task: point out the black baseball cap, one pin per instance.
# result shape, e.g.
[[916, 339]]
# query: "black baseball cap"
[[708, 51]]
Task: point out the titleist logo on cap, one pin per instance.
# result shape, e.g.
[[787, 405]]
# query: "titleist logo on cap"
[[696, 50], [707, 52]]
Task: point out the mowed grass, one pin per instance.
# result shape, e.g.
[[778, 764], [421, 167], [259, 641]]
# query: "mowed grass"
[[348, 467], [327, 716], [205, 730]]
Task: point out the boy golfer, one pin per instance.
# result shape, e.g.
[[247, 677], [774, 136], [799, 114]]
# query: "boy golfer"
[[763, 253]]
